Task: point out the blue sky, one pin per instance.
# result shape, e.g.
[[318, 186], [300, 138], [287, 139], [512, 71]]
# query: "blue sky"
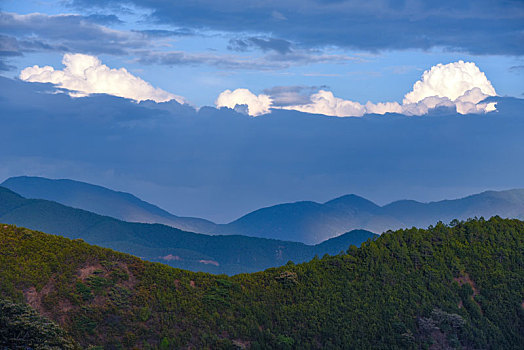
[[439, 76], [360, 50]]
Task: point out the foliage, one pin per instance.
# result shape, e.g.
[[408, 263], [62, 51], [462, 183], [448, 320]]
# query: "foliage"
[[458, 286], [23, 328]]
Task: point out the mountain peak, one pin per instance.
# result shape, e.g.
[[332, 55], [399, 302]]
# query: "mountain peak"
[[352, 201]]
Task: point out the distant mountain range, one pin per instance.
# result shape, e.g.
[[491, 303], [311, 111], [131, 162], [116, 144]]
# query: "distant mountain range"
[[307, 222], [103, 201], [311, 222], [229, 254]]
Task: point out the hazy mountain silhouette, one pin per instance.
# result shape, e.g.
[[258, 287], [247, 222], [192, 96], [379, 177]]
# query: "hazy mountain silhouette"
[[103, 201], [312, 222], [198, 252], [306, 221]]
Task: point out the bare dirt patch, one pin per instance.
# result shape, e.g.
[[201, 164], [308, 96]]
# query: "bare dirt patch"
[[33, 298], [241, 344], [131, 281], [465, 279], [88, 270], [65, 305]]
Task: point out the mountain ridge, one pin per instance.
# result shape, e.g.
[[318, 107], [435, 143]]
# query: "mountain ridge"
[[228, 254], [334, 216], [312, 222], [101, 200]]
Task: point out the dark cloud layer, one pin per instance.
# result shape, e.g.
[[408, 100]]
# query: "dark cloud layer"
[[4, 66], [517, 69], [104, 19], [270, 61], [292, 95], [67, 33], [265, 44], [478, 27], [84, 34], [221, 164], [9, 46], [161, 33]]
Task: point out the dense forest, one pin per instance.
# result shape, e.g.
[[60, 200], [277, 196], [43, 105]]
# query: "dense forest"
[[451, 286]]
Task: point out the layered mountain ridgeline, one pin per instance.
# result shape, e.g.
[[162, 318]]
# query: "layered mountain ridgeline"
[[306, 222], [197, 252], [445, 287], [103, 201], [312, 222]]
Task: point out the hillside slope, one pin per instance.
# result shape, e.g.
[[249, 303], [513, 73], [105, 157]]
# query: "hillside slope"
[[445, 287], [198, 252]]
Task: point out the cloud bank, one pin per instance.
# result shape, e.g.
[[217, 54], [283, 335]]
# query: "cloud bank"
[[85, 74], [459, 85], [69, 33], [256, 105], [92, 34]]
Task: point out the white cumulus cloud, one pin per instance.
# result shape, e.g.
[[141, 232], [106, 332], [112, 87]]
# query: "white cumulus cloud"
[[256, 105], [469, 102], [85, 74], [459, 85], [383, 107], [450, 80], [324, 102]]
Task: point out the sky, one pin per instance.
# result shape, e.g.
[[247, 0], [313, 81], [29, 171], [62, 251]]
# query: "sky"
[[359, 50], [216, 108]]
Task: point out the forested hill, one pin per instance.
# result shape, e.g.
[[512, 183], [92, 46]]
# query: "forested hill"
[[459, 286]]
